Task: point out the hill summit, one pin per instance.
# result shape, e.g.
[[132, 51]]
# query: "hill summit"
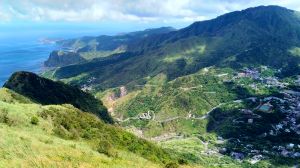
[[46, 92]]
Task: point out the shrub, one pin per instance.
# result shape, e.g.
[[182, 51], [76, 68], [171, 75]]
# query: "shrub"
[[6, 119], [172, 165], [61, 132], [34, 120], [4, 116], [106, 148], [182, 161]]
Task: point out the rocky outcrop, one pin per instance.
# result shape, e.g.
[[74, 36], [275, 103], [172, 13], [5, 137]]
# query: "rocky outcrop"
[[63, 58]]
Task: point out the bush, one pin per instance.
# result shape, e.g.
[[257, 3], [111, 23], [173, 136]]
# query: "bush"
[[34, 120], [106, 148], [4, 116], [6, 119], [172, 165], [182, 161]]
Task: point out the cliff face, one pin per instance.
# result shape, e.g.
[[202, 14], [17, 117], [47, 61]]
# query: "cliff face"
[[63, 58]]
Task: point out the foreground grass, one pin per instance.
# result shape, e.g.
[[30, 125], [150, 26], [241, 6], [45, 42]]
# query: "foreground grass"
[[29, 140], [32, 148]]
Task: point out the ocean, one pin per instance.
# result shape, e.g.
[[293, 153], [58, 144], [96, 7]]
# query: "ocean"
[[22, 56]]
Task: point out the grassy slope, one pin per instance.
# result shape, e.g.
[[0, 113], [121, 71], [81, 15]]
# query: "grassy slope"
[[29, 145]]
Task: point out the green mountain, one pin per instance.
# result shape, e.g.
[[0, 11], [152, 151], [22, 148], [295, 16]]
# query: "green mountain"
[[265, 35], [45, 91]]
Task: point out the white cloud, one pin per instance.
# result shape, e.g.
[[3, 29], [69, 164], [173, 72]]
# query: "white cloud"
[[4, 17], [127, 10]]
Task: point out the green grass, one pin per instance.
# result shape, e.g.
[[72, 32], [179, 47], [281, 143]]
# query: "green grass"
[[67, 137], [10, 96], [31, 147]]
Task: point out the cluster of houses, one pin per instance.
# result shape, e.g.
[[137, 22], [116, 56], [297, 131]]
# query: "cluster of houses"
[[247, 117], [88, 87], [256, 75], [251, 73], [289, 105], [289, 126]]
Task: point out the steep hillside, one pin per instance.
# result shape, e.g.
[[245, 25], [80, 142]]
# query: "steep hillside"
[[45, 91], [263, 35], [63, 58], [34, 135]]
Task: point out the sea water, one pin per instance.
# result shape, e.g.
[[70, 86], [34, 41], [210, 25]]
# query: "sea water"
[[22, 55]]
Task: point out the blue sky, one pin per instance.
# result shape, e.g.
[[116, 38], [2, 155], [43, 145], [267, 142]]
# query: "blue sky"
[[113, 16]]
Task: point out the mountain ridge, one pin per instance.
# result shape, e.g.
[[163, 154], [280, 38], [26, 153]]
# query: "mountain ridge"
[[110, 43], [242, 38]]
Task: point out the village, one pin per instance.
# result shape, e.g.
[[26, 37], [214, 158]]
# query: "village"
[[286, 104]]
